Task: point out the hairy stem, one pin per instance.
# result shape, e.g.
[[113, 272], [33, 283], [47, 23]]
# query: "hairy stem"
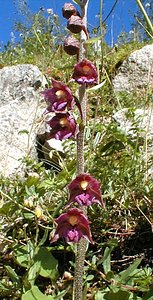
[[82, 245], [80, 137]]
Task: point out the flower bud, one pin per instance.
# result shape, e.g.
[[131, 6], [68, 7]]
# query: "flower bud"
[[68, 10], [26, 202], [30, 203], [75, 24], [38, 212], [67, 276], [71, 46]]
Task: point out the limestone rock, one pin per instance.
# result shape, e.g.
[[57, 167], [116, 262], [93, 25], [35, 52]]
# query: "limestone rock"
[[136, 72], [21, 110], [137, 122]]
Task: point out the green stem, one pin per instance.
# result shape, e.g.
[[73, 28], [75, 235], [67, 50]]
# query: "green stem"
[[82, 245], [148, 21]]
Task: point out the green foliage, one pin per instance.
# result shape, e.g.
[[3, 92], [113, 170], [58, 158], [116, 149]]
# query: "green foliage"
[[35, 293], [26, 221], [48, 264]]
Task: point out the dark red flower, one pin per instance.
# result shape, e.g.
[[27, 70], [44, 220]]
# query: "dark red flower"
[[85, 72], [72, 225], [85, 190], [60, 97], [63, 126]]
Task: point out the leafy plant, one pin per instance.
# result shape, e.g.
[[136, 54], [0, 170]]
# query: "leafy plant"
[[30, 266]]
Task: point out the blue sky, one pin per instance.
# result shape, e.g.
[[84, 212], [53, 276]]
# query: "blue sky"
[[119, 21]]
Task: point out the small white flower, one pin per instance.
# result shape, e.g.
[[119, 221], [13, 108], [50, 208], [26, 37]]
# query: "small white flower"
[[38, 31], [131, 32], [147, 5], [50, 11], [12, 37]]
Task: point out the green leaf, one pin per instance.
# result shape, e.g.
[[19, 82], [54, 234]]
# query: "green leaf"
[[4, 288], [107, 260], [78, 2], [85, 290], [36, 294], [112, 147], [45, 184], [44, 238], [94, 40], [97, 87], [126, 274], [89, 277], [28, 215], [100, 296], [48, 264], [96, 139], [7, 208], [21, 255], [34, 272], [24, 131], [120, 295], [148, 296], [14, 277], [109, 275], [112, 243]]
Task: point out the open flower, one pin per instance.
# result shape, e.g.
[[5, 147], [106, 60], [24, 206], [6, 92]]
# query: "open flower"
[[85, 72], [72, 225], [85, 190], [59, 96], [63, 126]]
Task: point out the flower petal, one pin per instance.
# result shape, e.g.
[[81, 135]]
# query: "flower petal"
[[85, 190], [60, 97], [85, 72], [63, 126], [72, 226]]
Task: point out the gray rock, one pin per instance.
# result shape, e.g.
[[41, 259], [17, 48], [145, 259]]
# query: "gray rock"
[[21, 110], [139, 122], [136, 72]]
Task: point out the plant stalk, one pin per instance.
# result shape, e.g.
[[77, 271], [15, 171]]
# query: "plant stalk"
[[148, 21], [82, 245]]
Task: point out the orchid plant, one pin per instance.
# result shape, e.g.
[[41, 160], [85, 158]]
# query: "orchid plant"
[[84, 190]]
